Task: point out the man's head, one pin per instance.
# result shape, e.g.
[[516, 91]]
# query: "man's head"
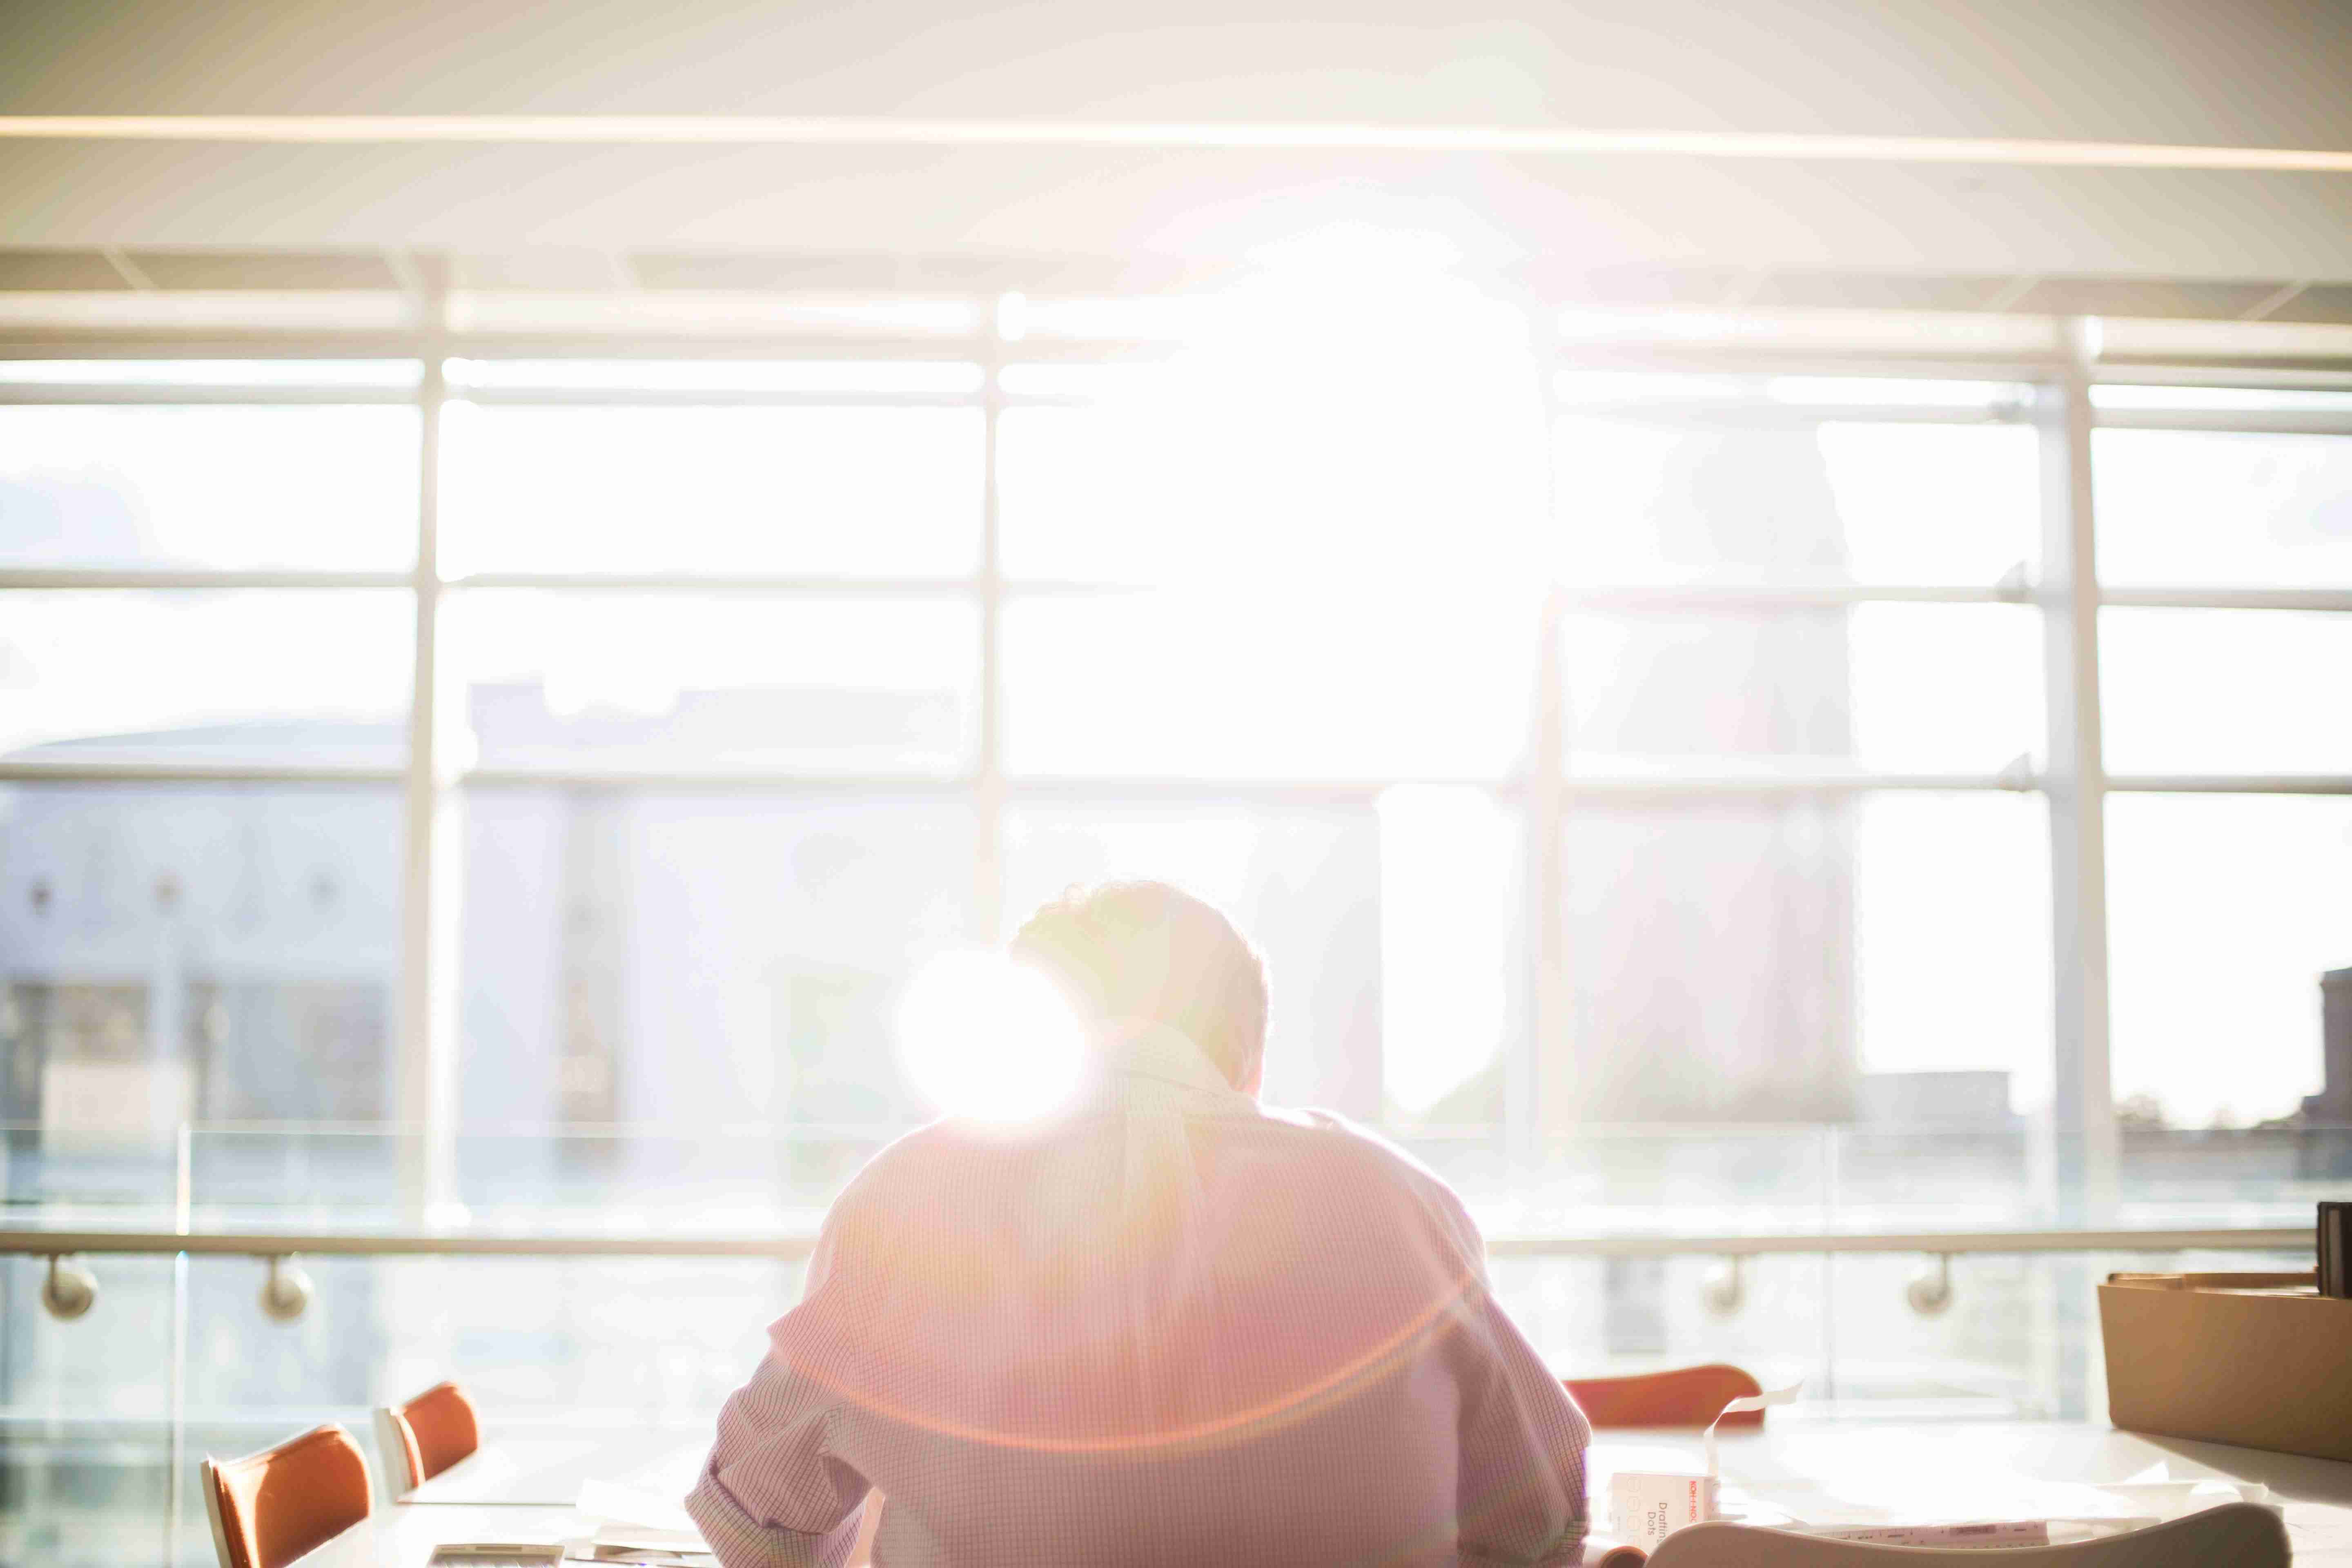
[[1145, 952]]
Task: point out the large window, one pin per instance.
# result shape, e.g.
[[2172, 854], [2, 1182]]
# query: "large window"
[[1583, 740], [205, 657], [1680, 785], [2225, 544]]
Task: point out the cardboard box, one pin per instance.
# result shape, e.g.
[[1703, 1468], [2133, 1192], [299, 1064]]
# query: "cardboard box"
[[2260, 1360]]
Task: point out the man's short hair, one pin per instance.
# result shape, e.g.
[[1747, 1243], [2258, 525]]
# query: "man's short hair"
[[1149, 953]]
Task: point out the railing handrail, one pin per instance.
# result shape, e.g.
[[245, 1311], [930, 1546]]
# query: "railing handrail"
[[2013, 1125], [789, 1247]]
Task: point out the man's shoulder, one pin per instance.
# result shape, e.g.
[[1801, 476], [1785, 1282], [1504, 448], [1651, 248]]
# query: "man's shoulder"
[[1349, 1147], [950, 1162], [905, 1183], [1328, 1131], [954, 1163], [919, 1160]]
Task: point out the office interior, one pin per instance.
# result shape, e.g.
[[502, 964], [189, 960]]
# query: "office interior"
[[1746, 602]]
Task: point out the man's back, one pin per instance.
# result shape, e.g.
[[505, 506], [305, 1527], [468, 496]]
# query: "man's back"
[[1282, 1350]]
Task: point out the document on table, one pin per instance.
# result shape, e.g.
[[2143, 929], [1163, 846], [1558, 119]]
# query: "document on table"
[[2007, 1513], [695, 1556], [628, 1538], [609, 1502]]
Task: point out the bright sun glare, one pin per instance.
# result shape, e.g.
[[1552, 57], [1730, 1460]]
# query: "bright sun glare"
[[985, 1039]]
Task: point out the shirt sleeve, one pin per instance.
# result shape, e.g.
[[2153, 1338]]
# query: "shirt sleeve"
[[771, 1494], [1521, 1479]]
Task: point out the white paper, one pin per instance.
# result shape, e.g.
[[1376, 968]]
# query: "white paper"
[[655, 1540], [615, 1504], [2070, 1510], [1746, 1401]]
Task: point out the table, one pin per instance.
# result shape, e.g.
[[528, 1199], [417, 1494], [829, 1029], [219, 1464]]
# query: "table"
[[1788, 1454], [403, 1537], [546, 1468], [1793, 1457]]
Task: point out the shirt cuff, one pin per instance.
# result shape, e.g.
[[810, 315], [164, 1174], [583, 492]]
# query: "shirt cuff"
[[741, 1542]]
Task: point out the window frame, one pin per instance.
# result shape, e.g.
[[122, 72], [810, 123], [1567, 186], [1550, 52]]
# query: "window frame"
[[2067, 593]]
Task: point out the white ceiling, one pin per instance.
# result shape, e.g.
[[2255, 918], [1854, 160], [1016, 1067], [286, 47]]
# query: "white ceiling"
[[2246, 74]]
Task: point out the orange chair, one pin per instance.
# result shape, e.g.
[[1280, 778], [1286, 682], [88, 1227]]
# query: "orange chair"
[[426, 1435], [268, 1509], [1686, 1396]]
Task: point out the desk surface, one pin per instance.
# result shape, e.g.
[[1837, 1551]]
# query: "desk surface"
[[1855, 1457], [547, 1468]]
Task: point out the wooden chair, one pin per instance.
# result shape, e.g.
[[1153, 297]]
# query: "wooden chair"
[[2234, 1535], [424, 1436], [1686, 1396], [270, 1507]]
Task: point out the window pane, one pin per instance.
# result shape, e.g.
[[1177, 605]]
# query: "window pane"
[[1885, 687], [2254, 399], [1168, 316], [1454, 959], [679, 961], [858, 491], [2224, 691], [224, 487], [2192, 508], [1639, 1314], [1155, 491], [1951, 953], [1394, 439], [681, 681], [395, 375], [1702, 943], [1767, 961], [942, 377], [172, 954], [1277, 686], [1755, 393], [1303, 887], [208, 677], [1651, 501], [1068, 500], [2223, 913]]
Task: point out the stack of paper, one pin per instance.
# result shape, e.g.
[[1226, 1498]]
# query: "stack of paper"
[[639, 1527], [1938, 1511]]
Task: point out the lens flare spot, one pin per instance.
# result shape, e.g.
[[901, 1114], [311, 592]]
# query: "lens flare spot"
[[985, 1039]]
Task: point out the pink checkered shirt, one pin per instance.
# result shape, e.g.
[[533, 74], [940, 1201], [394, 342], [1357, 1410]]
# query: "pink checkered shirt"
[[1290, 1355]]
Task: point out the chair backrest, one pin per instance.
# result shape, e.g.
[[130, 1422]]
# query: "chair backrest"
[[428, 1434], [1686, 1396], [268, 1509], [2234, 1535]]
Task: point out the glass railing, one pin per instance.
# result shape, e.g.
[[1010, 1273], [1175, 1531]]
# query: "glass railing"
[[1620, 1249], [1651, 1179]]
